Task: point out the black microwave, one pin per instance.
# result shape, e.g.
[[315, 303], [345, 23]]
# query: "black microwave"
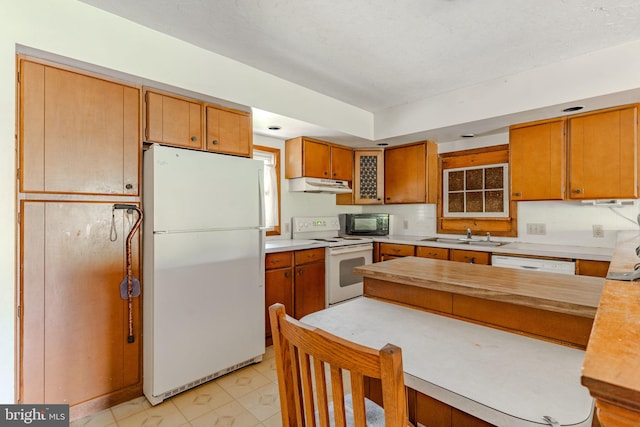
[[370, 224]]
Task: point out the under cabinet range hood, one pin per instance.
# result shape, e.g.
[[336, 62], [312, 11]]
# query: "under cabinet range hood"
[[319, 185]]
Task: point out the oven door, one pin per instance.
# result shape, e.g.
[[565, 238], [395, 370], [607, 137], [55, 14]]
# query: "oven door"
[[342, 284]]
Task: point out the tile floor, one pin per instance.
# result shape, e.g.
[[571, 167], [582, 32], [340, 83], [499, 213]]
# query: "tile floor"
[[245, 398]]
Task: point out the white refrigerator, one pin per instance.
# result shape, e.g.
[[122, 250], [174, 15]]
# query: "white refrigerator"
[[203, 268]]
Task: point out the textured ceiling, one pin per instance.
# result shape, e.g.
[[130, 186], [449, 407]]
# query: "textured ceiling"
[[377, 54]]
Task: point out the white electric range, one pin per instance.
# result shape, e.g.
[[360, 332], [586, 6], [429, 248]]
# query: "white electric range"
[[343, 254]]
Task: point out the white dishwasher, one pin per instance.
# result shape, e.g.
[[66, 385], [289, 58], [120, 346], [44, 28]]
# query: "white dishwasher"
[[534, 264]]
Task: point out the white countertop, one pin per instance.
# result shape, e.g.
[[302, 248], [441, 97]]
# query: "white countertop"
[[503, 378], [513, 248]]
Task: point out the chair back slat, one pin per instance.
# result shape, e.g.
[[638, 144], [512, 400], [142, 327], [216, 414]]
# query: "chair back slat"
[[304, 355]]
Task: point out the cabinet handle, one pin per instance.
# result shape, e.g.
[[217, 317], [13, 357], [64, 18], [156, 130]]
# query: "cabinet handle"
[[194, 138], [128, 186], [215, 142], [577, 191], [517, 194], [287, 274], [299, 272], [472, 260]]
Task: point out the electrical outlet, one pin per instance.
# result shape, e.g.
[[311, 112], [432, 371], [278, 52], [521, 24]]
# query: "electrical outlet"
[[598, 231], [538, 229]]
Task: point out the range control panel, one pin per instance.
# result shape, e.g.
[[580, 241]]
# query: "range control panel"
[[310, 224]]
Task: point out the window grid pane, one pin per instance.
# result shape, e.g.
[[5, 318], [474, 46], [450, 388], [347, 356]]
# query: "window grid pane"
[[476, 191]]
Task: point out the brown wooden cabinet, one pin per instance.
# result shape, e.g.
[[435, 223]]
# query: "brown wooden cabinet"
[[389, 251], [309, 282], [472, 257], [173, 120], [278, 283], [307, 157], [368, 177], [229, 131], [74, 327], [603, 154], [537, 158], [592, 268], [410, 173], [434, 253], [78, 134]]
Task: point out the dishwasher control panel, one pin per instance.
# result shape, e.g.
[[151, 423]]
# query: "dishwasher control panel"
[[534, 264]]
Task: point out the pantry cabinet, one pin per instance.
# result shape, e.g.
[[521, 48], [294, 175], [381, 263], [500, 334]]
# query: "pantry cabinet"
[[368, 179], [78, 134], [603, 154], [228, 131], [411, 173], [173, 120], [537, 157], [307, 157]]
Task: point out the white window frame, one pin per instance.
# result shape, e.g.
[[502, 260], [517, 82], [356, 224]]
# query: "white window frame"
[[271, 187], [483, 214]]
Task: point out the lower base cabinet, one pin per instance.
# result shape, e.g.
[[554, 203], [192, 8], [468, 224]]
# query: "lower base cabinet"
[[295, 279]]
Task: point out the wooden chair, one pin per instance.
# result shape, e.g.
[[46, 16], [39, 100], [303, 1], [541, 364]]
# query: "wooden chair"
[[304, 354]]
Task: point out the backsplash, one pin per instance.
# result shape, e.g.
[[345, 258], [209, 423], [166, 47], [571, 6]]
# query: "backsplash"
[[563, 222]]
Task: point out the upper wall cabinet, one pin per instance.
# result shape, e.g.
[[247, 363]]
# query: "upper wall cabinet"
[[411, 173], [368, 181], [603, 154], [306, 157], [229, 131], [173, 120], [79, 134], [537, 156]]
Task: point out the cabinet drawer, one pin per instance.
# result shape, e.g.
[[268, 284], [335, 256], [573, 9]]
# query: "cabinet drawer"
[[278, 260], [309, 255], [396, 249], [435, 253], [473, 257]]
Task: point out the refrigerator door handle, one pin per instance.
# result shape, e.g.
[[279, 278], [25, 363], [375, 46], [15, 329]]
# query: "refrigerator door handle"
[[262, 228]]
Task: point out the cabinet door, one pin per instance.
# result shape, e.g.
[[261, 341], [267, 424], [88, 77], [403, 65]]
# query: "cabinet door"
[[278, 285], [229, 131], [472, 257], [309, 293], [74, 324], [368, 181], [174, 121], [396, 250], [341, 163], [603, 155], [317, 159], [405, 174], [537, 158], [78, 134], [434, 253]]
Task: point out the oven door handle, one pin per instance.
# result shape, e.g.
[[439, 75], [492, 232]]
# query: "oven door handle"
[[350, 249]]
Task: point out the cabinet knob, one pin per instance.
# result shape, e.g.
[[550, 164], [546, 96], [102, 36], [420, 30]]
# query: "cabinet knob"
[[194, 138], [577, 191], [215, 142], [287, 274], [517, 194], [128, 186]]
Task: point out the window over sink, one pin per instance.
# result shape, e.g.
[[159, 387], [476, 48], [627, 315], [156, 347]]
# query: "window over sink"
[[474, 193], [479, 191]]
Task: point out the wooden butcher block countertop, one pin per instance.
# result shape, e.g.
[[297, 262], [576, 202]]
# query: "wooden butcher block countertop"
[[574, 295]]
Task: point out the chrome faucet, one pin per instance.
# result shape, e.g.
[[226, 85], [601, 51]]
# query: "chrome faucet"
[[488, 236], [469, 233]]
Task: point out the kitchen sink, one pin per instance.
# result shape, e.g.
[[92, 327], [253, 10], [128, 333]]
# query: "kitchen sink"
[[463, 241]]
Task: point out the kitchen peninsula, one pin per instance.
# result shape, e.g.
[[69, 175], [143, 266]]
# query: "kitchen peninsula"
[[550, 306]]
